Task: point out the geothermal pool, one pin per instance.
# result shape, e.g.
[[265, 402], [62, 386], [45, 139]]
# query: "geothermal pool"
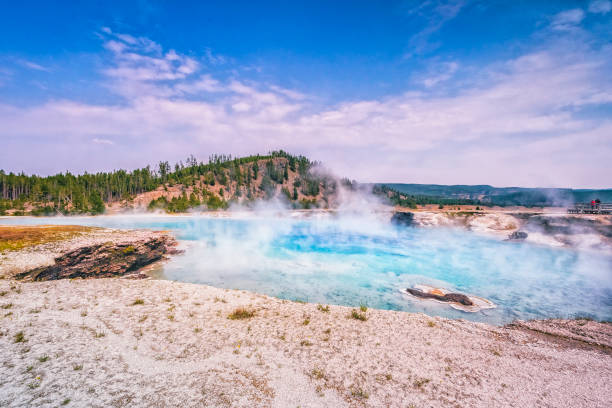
[[353, 260]]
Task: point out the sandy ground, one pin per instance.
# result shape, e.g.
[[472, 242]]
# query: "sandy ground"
[[91, 343]]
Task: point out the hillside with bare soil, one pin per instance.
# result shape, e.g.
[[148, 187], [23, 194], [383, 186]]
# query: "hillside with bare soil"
[[218, 184], [244, 184]]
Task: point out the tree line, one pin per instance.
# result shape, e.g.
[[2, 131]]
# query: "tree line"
[[88, 193], [412, 200]]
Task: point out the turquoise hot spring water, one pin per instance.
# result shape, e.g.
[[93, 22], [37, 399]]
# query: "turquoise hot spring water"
[[355, 260]]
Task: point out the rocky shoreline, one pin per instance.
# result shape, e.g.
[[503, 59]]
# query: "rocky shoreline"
[[591, 232], [96, 252], [105, 260]]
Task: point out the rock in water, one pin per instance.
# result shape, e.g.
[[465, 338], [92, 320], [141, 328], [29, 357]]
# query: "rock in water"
[[403, 218], [104, 260], [458, 298], [517, 236], [449, 297]]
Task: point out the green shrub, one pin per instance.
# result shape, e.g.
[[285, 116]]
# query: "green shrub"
[[322, 308], [19, 337], [241, 313], [358, 316]]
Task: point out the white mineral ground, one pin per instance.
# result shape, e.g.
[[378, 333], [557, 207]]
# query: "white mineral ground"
[[90, 343], [502, 223]]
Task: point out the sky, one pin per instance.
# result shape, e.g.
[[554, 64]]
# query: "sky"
[[507, 93]]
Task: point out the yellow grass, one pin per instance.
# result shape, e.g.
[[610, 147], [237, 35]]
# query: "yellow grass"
[[241, 313], [14, 238]]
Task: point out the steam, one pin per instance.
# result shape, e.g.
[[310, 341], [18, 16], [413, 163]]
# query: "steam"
[[585, 233], [344, 259], [350, 204], [352, 255]]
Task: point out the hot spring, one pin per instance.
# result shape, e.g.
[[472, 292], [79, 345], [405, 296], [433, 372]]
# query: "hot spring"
[[366, 261]]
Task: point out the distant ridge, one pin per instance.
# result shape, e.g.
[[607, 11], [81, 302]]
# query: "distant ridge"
[[502, 196]]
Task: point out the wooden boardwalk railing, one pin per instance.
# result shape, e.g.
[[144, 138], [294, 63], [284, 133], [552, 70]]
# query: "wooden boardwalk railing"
[[588, 208]]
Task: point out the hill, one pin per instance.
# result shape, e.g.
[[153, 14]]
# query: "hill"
[[214, 185], [224, 181], [489, 195]]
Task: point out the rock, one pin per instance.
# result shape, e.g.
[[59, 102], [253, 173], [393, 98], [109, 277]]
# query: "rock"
[[449, 297], [517, 236], [457, 298], [403, 218], [105, 260], [136, 276]]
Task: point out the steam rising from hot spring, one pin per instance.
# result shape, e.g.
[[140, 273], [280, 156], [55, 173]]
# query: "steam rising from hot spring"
[[355, 256], [351, 260]]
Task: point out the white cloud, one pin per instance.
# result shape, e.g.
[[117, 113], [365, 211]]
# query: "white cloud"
[[102, 141], [241, 107], [437, 14], [567, 20], [206, 83], [288, 92], [442, 72], [600, 6], [214, 59], [140, 59], [522, 125], [32, 65]]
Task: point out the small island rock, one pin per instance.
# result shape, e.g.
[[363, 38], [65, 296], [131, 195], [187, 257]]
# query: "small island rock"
[[403, 218], [449, 297]]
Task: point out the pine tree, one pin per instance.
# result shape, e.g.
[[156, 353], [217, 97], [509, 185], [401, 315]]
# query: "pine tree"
[[97, 205]]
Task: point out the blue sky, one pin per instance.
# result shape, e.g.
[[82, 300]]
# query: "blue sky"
[[469, 92]]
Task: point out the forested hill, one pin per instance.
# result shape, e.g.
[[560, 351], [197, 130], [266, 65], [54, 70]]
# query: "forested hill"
[[221, 181], [502, 196], [224, 180]]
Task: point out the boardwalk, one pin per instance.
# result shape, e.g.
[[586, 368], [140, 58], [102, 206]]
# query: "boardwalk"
[[591, 208]]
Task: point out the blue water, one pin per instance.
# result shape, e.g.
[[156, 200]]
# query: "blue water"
[[353, 261]]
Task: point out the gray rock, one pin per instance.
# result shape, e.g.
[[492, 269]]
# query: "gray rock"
[[104, 260], [449, 297], [518, 236], [403, 218]]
